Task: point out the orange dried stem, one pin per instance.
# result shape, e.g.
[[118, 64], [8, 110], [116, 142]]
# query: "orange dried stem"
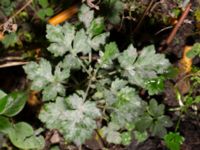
[[64, 15], [180, 21], [1, 36], [185, 62]]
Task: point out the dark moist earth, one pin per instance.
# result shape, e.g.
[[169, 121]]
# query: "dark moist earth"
[[13, 78]]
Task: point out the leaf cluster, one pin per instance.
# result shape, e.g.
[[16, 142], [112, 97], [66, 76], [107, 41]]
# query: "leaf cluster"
[[173, 140], [20, 134], [109, 90], [7, 6], [154, 120], [45, 10]]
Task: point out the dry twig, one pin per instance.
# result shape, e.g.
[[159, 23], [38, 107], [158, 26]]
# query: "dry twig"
[[175, 29]]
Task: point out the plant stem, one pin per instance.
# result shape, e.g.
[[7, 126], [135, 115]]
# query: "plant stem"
[[92, 78], [178, 122], [87, 90], [84, 67]]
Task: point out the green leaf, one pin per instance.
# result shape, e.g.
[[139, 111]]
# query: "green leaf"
[[81, 43], [61, 72], [128, 57], [96, 27], [110, 132], [126, 138], [98, 41], [159, 126], [197, 100], [113, 9], [49, 11], [116, 140], [61, 38], [155, 109], [130, 126], [41, 14], [5, 2], [171, 72], [55, 147], [195, 51], [152, 62], [173, 140], [144, 66], [74, 117], [23, 137], [43, 3], [127, 106], [155, 86], [7, 6], [176, 12], [123, 102], [12, 104], [140, 136], [43, 79], [2, 94], [188, 101], [52, 90], [111, 52], [40, 74], [71, 62], [143, 123], [5, 125], [10, 40], [153, 120], [118, 84], [86, 15], [157, 129], [165, 121], [55, 33]]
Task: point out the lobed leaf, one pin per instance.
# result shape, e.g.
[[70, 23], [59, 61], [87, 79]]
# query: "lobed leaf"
[[96, 27], [111, 52], [10, 40], [154, 120], [111, 131], [142, 67], [155, 86], [43, 3], [43, 79], [81, 43], [61, 38], [74, 117], [113, 10], [173, 140], [86, 15], [98, 40], [155, 109], [127, 106]]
